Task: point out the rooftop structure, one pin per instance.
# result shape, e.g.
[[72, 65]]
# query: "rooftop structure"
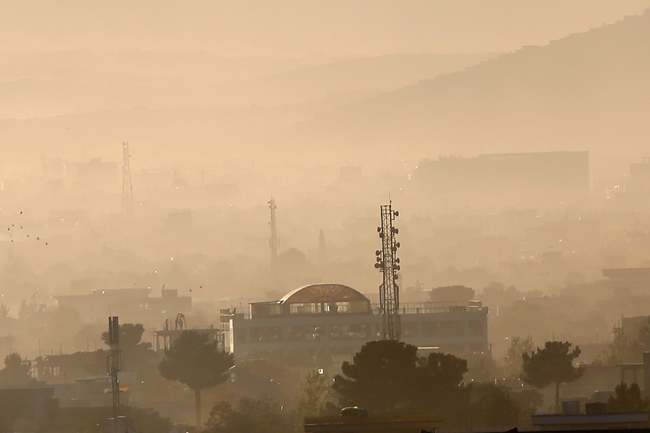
[[628, 278], [131, 303], [96, 174]]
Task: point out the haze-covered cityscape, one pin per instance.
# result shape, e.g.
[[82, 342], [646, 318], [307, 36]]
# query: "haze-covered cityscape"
[[324, 216]]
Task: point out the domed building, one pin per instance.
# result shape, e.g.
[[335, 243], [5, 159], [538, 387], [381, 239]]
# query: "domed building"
[[335, 319]]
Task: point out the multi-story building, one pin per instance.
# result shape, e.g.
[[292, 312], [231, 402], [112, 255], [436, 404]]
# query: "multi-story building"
[[132, 304], [334, 319], [510, 179]]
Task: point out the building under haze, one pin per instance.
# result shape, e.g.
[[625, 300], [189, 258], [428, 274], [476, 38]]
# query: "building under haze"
[[96, 174], [522, 179], [333, 319], [131, 304]]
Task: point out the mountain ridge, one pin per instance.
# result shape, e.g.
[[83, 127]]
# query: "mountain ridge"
[[574, 92]]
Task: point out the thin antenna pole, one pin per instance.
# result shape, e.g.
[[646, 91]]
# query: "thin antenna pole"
[[274, 242], [127, 187]]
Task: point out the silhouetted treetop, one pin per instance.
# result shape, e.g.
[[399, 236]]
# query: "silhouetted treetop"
[[380, 376], [552, 364], [130, 335], [389, 377], [197, 363], [627, 399]]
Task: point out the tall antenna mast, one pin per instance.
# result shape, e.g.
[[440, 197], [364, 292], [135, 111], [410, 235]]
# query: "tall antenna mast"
[[388, 265], [274, 242], [127, 187], [114, 364]]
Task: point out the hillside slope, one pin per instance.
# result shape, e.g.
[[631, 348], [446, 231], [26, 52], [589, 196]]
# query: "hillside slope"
[[588, 91]]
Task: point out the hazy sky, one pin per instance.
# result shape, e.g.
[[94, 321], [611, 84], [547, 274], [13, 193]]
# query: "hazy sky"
[[300, 27]]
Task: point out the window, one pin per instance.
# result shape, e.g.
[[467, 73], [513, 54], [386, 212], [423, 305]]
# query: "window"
[[266, 335], [476, 347], [452, 328], [359, 307], [240, 335], [350, 332], [409, 329], [429, 329], [447, 328], [476, 327], [305, 308], [337, 307], [452, 348], [306, 333]]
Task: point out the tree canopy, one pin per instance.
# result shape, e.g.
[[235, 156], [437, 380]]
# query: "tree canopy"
[[130, 335], [248, 415], [492, 407], [380, 378], [624, 348], [552, 364], [627, 399], [197, 363], [389, 377], [513, 360], [16, 371], [314, 398]]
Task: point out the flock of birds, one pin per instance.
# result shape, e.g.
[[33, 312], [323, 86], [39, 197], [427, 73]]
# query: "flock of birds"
[[18, 228]]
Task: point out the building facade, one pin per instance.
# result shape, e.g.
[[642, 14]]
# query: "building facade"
[[334, 319], [511, 179]]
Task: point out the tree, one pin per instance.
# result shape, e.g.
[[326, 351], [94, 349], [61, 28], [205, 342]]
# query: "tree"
[[197, 363], [248, 415], [513, 360], [439, 389], [149, 421], [622, 349], [443, 370], [388, 377], [627, 399], [380, 378], [552, 364], [16, 371], [314, 397], [130, 335], [528, 399], [491, 406]]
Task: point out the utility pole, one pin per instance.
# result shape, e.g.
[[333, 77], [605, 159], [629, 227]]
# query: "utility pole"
[[274, 242], [127, 187], [114, 364], [388, 265]]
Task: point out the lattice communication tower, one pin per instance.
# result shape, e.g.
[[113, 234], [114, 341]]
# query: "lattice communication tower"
[[127, 187], [388, 265]]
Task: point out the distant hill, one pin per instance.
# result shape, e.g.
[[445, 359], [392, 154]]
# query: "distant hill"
[[588, 91], [204, 107], [362, 76], [48, 84]]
